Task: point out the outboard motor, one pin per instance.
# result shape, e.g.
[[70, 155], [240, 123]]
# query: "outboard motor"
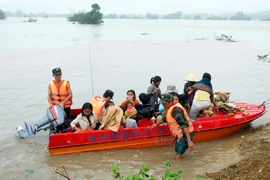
[[55, 116]]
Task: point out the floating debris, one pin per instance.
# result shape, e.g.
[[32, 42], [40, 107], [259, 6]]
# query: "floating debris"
[[201, 39], [263, 57], [225, 38], [64, 174]]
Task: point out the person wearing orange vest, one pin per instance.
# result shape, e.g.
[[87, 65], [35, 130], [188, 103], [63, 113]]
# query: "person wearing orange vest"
[[98, 104], [59, 92], [180, 125]]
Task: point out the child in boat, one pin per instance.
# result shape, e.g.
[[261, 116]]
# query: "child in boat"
[[86, 120], [113, 117], [130, 115], [146, 120]]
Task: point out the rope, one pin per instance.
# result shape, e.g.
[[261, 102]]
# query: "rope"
[[91, 71], [266, 102]]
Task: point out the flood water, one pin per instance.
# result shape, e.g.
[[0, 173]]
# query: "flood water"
[[124, 55]]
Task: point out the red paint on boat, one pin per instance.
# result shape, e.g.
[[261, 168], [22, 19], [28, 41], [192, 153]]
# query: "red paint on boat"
[[207, 128]]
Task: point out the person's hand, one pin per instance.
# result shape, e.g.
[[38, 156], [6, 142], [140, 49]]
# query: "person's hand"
[[163, 124], [93, 126], [157, 89], [153, 126], [78, 129], [89, 129], [130, 98], [191, 146], [62, 105]]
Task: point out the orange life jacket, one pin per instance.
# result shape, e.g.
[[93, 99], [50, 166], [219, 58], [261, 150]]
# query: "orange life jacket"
[[97, 106], [175, 128], [60, 94]]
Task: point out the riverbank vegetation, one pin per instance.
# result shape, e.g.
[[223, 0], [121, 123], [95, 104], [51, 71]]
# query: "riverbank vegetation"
[[144, 173], [92, 17], [241, 16], [263, 15], [2, 15]]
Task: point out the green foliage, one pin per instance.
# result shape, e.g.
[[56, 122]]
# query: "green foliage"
[[2, 15], [263, 57], [115, 170], [111, 16], [172, 176], [144, 173], [198, 177], [240, 16], [176, 15], [197, 17], [92, 17], [152, 16]]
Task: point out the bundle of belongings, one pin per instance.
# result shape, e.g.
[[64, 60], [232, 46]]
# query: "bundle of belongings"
[[224, 105]]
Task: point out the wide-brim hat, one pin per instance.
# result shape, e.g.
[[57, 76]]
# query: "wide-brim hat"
[[171, 88], [191, 77]]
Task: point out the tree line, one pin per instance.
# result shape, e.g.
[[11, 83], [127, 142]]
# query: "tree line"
[[96, 14], [265, 16]]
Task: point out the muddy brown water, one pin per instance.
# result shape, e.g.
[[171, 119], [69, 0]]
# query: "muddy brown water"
[[122, 58]]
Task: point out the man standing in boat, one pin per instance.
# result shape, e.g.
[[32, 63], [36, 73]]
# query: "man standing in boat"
[[180, 125], [59, 92]]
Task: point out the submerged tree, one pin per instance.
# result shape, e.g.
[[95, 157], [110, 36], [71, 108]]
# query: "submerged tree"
[[2, 15], [92, 17]]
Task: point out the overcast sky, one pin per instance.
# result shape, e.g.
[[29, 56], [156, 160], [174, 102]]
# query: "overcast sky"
[[136, 6]]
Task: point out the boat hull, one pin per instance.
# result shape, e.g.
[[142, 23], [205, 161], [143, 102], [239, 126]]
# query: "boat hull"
[[206, 129], [149, 142]]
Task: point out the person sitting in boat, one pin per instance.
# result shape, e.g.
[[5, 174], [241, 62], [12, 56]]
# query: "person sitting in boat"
[[191, 79], [146, 120], [180, 125], [171, 89], [86, 120], [130, 110], [145, 104], [98, 104], [131, 96], [130, 115], [113, 117], [154, 90], [203, 96]]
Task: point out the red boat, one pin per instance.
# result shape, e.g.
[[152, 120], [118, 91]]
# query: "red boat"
[[207, 128]]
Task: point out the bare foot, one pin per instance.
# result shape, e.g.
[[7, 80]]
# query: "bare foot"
[[178, 157]]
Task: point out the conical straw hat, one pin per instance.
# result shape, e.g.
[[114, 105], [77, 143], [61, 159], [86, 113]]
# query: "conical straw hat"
[[191, 77]]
